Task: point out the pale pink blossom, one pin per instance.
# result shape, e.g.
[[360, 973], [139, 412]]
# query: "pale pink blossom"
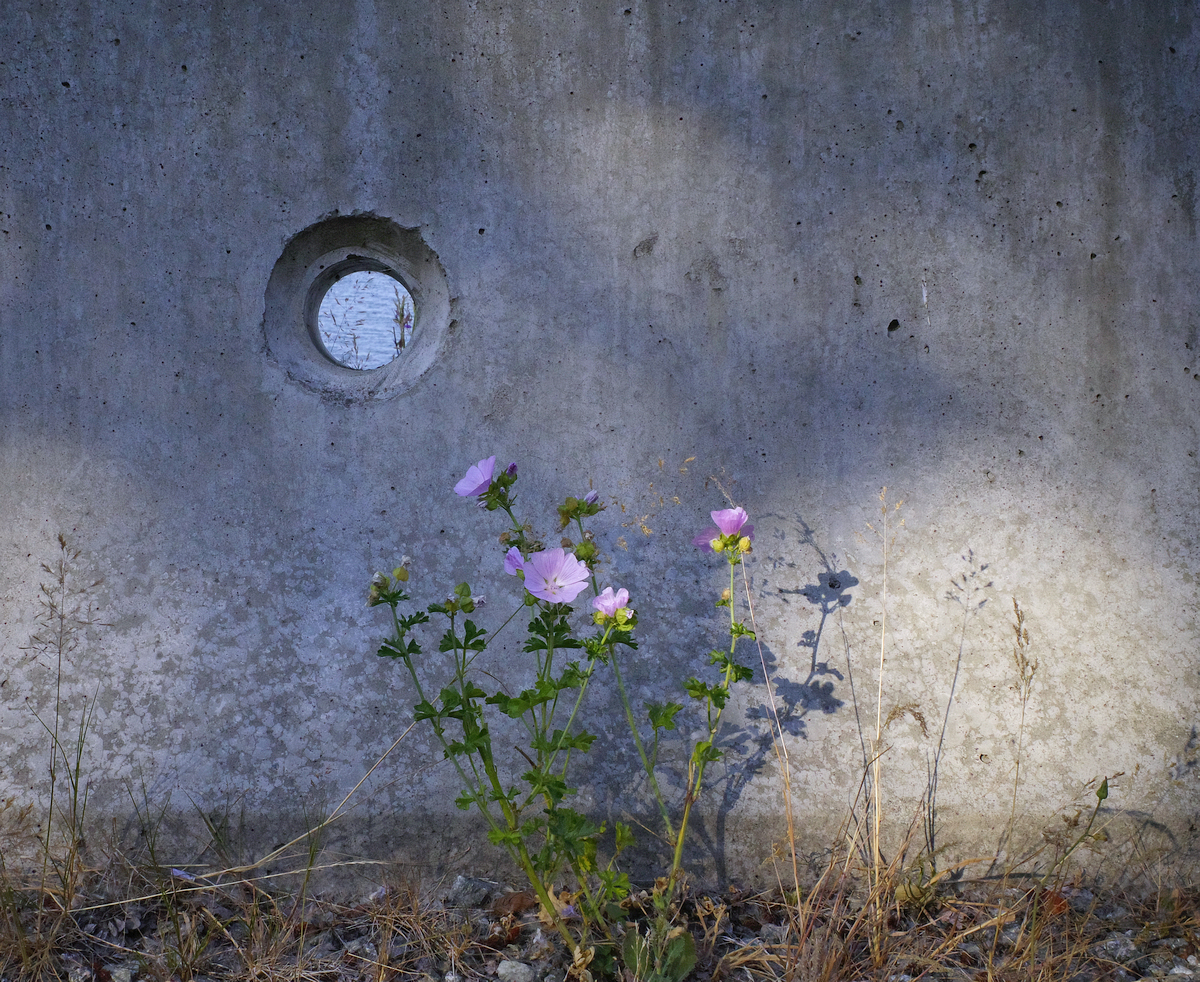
[[555, 575], [730, 521], [478, 478], [608, 603]]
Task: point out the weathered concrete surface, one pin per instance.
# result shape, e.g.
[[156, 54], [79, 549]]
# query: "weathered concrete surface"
[[675, 236]]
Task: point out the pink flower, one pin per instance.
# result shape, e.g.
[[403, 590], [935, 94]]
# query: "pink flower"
[[513, 563], [555, 575], [478, 478], [730, 521], [608, 603]]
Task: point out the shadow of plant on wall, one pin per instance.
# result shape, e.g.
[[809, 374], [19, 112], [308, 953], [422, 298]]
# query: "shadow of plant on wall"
[[830, 595], [789, 702]]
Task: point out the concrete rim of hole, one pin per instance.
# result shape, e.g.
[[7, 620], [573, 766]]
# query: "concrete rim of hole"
[[311, 262]]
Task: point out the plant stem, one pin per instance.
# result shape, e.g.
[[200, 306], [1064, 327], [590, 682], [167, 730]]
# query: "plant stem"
[[696, 768], [637, 741]]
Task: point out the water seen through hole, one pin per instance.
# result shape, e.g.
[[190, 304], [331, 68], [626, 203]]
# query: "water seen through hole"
[[366, 320]]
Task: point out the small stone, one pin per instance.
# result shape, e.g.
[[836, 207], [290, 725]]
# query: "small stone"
[[1117, 946], [122, 973], [361, 947], [472, 891], [511, 971], [773, 933]]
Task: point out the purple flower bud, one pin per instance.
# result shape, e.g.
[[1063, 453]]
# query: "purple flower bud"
[[592, 497], [512, 469], [513, 562]]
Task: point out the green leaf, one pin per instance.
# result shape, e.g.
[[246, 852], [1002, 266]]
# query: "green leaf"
[[614, 884], [473, 637], [516, 706], [393, 648], [624, 837], [717, 694], [412, 620], [568, 824], [464, 801], [662, 715], [705, 753], [504, 837], [507, 704], [425, 710], [573, 676], [472, 691], [562, 741], [550, 785], [635, 954], [574, 835], [680, 956], [551, 630]]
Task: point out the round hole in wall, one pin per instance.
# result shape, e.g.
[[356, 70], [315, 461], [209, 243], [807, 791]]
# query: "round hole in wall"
[[366, 319], [365, 270]]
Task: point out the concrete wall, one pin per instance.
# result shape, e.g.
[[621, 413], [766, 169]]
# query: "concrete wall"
[[673, 237]]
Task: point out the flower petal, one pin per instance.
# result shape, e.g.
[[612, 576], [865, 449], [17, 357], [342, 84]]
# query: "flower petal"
[[730, 520], [478, 478], [608, 603], [555, 576], [513, 563], [705, 539]]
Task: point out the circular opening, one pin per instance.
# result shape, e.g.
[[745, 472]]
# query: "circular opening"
[[356, 308], [366, 319]]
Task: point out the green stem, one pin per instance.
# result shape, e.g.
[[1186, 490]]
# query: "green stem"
[[472, 783], [696, 770], [578, 703], [521, 854], [637, 740]]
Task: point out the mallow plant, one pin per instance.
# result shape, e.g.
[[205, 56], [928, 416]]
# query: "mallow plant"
[[524, 798]]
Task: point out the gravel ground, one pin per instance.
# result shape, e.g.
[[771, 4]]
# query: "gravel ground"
[[481, 928]]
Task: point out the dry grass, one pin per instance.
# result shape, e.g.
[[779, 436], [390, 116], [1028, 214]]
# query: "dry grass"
[[151, 922]]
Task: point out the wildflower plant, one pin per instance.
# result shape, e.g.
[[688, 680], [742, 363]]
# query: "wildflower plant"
[[527, 814]]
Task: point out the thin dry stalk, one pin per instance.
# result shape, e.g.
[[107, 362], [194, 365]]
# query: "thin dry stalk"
[[1026, 669]]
